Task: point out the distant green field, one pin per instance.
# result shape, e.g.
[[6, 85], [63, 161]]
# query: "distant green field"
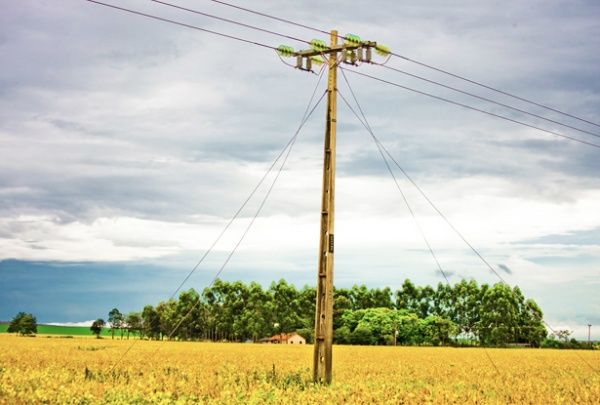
[[64, 330]]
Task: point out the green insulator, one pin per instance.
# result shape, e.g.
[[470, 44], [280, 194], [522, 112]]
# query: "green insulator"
[[318, 45], [285, 50], [317, 60], [352, 39], [382, 50]]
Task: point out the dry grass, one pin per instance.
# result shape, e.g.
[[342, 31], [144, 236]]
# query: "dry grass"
[[41, 370]]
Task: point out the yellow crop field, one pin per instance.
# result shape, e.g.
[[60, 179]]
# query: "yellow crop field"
[[56, 371]]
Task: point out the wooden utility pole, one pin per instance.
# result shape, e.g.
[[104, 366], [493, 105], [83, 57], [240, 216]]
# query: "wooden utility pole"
[[352, 52], [324, 305]]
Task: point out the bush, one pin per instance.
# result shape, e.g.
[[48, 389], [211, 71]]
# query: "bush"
[[362, 335], [23, 324]]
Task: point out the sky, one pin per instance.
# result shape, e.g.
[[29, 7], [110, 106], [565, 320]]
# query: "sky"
[[127, 144]]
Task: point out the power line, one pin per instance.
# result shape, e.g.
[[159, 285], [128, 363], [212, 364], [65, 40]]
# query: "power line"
[[237, 213], [474, 108], [256, 214], [428, 199], [182, 24], [288, 147], [387, 165], [487, 99], [366, 124], [406, 58], [231, 21], [379, 147], [392, 53], [248, 10]]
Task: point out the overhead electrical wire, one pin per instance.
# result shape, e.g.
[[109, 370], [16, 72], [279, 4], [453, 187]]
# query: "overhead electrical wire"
[[429, 201], [486, 99], [392, 53], [255, 216], [158, 18], [410, 210], [367, 126], [154, 17], [406, 58], [383, 65], [288, 147], [381, 148], [254, 190], [241, 24], [473, 108], [248, 10]]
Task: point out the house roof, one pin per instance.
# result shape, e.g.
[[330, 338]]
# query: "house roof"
[[283, 336]]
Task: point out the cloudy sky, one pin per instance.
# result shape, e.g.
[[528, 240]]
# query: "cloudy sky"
[[126, 144]]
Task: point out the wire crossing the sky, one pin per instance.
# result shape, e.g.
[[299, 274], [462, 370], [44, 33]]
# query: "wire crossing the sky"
[[256, 214], [406, 58], [288, 147], [241, 24], [385, 160], [248, 10], [486, 99], [366, 124], [381, 148], [194, 27], [378, 142], [473, 108], [247, 200], [410, 210], [366, 75]]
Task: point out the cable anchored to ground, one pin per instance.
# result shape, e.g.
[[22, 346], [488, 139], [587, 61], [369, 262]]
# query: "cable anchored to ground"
[[288, 147], [387, 165], [429, 201], [368, 127], [255, 216], [381, 148]]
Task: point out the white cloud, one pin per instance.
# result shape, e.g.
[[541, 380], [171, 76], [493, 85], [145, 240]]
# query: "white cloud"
[[82, 323]]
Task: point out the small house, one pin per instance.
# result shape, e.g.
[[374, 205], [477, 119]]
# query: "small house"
[[285, 338]]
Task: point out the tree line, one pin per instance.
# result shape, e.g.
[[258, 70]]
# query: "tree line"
[[492, 315]]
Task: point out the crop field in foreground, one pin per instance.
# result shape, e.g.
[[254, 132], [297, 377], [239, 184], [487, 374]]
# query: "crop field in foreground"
[[54, 370]]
